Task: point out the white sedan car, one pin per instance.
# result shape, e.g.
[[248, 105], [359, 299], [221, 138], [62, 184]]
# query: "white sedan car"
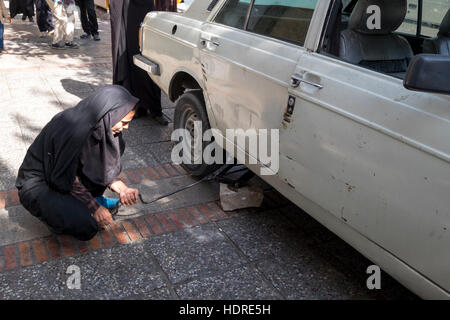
[[359, 91]]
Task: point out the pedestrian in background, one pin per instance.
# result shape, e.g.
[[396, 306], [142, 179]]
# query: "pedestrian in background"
[[64, 16], [126, 17], [4, 16], [26, 7], [88, 19], [44, 18]]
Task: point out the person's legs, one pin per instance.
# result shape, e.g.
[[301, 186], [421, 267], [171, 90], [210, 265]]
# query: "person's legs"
[[66, 214], [83, 16], [49, 19], [92, 16], [60, 22], [70, 25], [148, 93], [42, 16], [29, 9], [63, 213], [1, 36], [40, 19]]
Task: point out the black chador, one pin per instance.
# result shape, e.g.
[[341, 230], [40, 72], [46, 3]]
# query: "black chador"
[[126, 17], [26, 7], [75, 158]]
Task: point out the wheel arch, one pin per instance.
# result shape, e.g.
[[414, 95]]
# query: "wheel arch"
[[182, 80]]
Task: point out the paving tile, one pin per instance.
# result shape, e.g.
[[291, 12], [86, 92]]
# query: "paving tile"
[[137, 136], [311, 278], [162, 151], [137, 156], [199, 251], [261, 228], [243, 283]]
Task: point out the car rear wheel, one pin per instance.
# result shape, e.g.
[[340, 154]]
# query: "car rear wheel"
[[190, 107]]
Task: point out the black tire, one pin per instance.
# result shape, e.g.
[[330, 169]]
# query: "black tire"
[[191, 106]]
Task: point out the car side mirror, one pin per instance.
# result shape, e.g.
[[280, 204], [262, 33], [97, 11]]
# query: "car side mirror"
[[428, 73]]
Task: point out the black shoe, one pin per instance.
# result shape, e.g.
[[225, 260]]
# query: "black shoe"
[[24, 17], [97, 37], [57, 46], [71, 45], [85, 36], [31, 19], [161, 120]]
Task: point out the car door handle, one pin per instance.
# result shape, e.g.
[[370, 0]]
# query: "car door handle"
[[213, 40], [296, 79]]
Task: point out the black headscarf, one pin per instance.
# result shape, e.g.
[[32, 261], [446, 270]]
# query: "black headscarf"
[[80, 134], [100, 156]]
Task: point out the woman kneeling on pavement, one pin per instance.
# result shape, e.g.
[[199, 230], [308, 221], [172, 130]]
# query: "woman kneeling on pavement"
[[74, 159]]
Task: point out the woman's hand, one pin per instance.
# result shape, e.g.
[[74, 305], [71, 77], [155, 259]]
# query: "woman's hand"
[[103, 217], [129, 196]]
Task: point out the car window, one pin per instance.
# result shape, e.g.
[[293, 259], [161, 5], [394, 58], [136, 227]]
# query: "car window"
[[390, 52], [433, 11], [233, 13], [282, 19], [432, 16], [409, 25]]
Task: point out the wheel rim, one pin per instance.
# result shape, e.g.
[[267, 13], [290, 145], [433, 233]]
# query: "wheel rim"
[[189, 117]]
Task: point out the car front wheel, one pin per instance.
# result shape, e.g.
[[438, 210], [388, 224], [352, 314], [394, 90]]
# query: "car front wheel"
[[190, 108]]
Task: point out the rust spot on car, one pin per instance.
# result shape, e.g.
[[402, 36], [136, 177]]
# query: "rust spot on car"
[[350, 187]]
